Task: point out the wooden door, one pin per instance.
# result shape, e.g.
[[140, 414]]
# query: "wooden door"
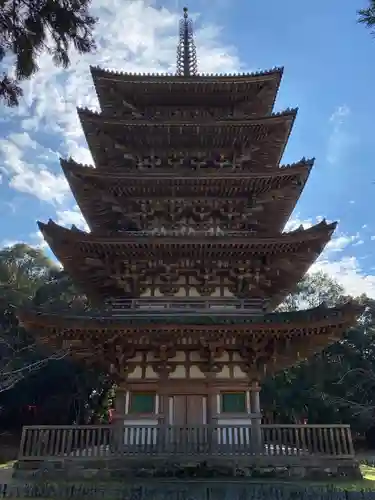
[[188, 410], [187, 419]]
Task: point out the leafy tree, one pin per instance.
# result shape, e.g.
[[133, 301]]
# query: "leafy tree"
[[27, 375], [367, 16], [30, 27], [23, 270], [312, 291], [336, 385], [295, 394]]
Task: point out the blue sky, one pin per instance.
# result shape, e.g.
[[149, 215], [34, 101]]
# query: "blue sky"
[[329, 74]]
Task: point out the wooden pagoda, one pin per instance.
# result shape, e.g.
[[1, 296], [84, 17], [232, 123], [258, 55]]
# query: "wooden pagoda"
[[185, 260]]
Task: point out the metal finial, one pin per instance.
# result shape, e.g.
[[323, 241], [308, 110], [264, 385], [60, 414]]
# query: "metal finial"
[[186, 51]]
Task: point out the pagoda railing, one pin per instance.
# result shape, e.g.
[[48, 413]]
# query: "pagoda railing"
[[269, 441], [82, 310], [254, 306], [213, 232]]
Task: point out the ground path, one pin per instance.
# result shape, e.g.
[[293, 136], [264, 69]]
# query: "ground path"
[[6, 474]]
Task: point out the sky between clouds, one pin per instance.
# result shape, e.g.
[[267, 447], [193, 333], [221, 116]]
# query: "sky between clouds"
[[328, 74]]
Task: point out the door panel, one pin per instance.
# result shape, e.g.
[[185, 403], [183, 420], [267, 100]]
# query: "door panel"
[[179, 410], [194, 410], [187, 410]]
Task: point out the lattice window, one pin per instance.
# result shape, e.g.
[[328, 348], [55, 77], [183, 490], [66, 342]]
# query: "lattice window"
[[142, 402], [233, 402]]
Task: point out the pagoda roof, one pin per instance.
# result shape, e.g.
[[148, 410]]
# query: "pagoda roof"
[[298, 170], [123, 265], [141, 90], [171, 78], [112, 136], [234, 242], [80, 317], [278, 340], [103, 194]]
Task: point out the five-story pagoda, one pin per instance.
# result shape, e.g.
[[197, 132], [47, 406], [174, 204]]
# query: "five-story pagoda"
[[186, 258]]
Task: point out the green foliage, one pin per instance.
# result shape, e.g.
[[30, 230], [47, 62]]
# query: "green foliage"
[[23, 270], [312, 291], [367, 16], [30, 27], [336, 385], [30, 373]]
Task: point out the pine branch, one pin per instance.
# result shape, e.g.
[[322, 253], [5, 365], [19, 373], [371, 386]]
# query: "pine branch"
[[367, 17], [30, 27], [10, 92]]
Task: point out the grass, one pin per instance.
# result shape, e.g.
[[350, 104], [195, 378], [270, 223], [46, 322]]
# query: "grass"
[[368, 481], [368, 472], [7, 465]]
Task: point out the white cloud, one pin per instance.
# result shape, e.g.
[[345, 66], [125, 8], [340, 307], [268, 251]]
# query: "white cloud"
[[339, 243], [348, 272], [69, 217], [340, 139], [35, 179], [148, 44], [339, 115], [346, 269], [296, 222], [37, 240], [8, 243], [23, 140], [42, 183]]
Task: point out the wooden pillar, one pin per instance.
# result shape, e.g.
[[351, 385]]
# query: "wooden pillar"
[[118, 419], [256, 418]]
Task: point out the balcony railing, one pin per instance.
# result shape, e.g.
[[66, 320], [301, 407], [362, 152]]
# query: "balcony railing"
[[198, 233], [199, 441], [254, 306]]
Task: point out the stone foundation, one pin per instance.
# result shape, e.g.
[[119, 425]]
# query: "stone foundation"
[[183, 490], [125, 469]]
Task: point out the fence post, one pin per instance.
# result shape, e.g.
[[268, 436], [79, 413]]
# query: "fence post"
[[21, 450]]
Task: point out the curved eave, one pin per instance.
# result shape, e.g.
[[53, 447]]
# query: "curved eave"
[[70, 167], [145, 185], [141, 135], [273, 323], [165, 89], [98, 72], [95, 340], [57, 234], [86, 115], [78, 252]]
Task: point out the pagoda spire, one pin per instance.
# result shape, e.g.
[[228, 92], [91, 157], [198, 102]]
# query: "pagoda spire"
[[186, 51]]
